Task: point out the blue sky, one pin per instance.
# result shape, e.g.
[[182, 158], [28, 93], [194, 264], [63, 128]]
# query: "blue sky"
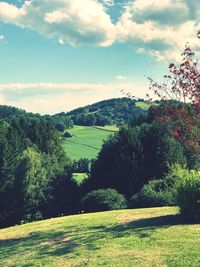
[[56, 55]]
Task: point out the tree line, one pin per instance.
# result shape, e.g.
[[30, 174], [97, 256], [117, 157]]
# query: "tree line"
[[35, 172]]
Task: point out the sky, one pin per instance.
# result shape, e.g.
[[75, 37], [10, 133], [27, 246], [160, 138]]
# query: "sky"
[[56, 55]]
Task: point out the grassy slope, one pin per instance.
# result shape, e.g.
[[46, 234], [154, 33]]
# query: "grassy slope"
[[142, 105], [79, 177], [143, 237], [87, 141]]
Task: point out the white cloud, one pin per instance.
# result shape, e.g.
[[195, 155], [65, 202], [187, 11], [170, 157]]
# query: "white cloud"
[[75, 22], [2, 37], [161, 28], [140, 50], [61, 41], [121, 78], [56, 97], [108, 2]]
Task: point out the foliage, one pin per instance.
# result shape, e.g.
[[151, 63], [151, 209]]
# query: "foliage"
[[103, 199], [60, 127], [188, 196], [117, 111], [132, 157], [63, 196], [67, 135], [182, 113], [156, 193], [32, 160], [60, 121], [31, 179], [9, 113], [81, 165]]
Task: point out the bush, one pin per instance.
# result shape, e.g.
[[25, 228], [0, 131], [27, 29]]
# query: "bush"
[[103, 199], [156, 193], [161, 192], [60, 127], [67, 135], [188, 196]]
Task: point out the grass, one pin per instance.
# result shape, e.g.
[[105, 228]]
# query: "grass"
[[142, 105], [141, 237], [111, 128], [79, 177], [87, 141]]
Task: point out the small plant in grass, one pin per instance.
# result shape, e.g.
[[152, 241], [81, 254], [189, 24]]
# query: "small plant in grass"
[[103, 199]]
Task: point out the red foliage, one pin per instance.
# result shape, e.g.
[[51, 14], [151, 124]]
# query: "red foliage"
[[180, 95]]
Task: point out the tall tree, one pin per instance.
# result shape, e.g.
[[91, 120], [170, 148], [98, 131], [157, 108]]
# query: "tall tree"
[[32, 181]]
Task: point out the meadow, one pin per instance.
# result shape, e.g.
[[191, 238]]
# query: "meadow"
[[86, 141], [80, 177], [140, 237], [142, 105]]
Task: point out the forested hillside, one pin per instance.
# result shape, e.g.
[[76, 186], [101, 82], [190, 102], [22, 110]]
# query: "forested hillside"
[[116, 111]]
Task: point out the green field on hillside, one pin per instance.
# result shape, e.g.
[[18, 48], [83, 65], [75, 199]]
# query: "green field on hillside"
[[140, 237], [86, 141], [79, 177], [142, 105]]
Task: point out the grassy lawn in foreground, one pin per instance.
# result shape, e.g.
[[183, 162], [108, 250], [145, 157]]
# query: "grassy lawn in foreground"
[[87, 141], [140, 237]]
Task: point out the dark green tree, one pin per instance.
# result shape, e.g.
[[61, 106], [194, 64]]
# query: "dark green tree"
[[133, 156]]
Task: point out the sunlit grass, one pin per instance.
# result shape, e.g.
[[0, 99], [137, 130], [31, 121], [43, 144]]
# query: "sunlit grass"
[[142, 105], [80, 177], [86, 141], [141, 237]]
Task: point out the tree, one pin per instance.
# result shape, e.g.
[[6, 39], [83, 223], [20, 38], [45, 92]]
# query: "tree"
[[81, 165], [180, 95], [134, 155], [60, 127], [32, 180], [11, 147], [63, 196], [103, 199]]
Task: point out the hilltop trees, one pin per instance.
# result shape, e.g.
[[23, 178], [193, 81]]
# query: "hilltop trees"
[[117, 111]]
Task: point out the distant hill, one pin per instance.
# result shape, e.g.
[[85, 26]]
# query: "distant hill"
[[60, 122], [116, 111]]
